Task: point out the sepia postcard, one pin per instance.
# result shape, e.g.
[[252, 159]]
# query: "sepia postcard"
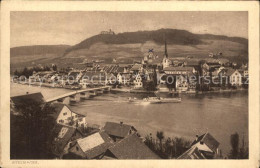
[[129, 84]]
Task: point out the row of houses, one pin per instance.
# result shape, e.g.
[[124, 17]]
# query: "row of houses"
[[139, 72]]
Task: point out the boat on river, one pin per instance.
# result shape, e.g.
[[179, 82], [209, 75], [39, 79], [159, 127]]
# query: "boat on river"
[[154, 100], [170, 100]]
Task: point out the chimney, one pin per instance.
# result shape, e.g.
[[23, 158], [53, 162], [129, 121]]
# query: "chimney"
[[121, 123], [27, 93], [197, 136]]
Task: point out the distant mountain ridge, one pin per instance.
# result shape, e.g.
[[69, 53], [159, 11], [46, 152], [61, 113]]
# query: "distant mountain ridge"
[[38, 50], [173, 36]]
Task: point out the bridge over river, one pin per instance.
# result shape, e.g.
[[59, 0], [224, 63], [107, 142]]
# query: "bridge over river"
[[75, 96]]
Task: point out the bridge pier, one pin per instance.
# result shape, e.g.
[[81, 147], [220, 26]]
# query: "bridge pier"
[[108, 89], [100, 91], [74, 98], [84, 95], [92, 93]]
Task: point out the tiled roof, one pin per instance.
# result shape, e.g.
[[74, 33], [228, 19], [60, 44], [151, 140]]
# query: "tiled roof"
[[132, 147], [136, 67], [94, 75], [95, 144], [230, 71], [60, 137], [223, 60], [58, 107], [117, 129], [120, 69], [209, 140], [178, 69], [28, 97], [192, 153]]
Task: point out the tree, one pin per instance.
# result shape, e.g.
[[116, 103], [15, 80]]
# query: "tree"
[[234, 140], [180, 146], [54, 67], [16, 73], [160, 136], [35, 124], [236, 152]]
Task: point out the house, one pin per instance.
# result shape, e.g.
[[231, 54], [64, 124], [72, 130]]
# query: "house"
[[119, 78], [179, 70], [224, 61], [192, 153], [92, 146], [62, 138], [131, 147], [235, 77], [209, 67], [138, 82], [35, 97], [181, 84], [28, 97], [206, 144], [93, 78], [118, 131], [21, 99], [65, 116], [136, 68], [75, 76], [111, 79]]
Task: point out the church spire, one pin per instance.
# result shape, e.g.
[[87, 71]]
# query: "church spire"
[[165, 50]]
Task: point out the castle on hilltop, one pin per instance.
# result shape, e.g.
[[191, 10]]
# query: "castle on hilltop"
[[108, 32]]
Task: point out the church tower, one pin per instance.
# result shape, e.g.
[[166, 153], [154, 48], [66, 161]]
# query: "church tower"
[[165, 49], [166, 61]]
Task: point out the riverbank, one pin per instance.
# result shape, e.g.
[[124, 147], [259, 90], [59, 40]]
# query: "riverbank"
[[131, 90]]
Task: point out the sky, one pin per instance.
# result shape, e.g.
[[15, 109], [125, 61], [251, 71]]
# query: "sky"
[[54, 28]]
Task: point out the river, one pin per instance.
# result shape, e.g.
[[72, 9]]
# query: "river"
[[221, 114]]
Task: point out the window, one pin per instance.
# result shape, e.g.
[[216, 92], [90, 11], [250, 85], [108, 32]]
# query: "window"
[[61, 121], [77, 148], [65, 113]]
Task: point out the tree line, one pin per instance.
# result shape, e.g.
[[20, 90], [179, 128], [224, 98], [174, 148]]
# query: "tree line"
[[29, 71]]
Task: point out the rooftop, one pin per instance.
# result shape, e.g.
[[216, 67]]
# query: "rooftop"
[[28, 97], [192, 153], [178, 69], [132, 147], [60, 136], [117, 129], [209, 140], [95, 144]]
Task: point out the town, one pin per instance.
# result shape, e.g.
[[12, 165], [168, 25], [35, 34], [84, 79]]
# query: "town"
[[151, 73], [71, 137]]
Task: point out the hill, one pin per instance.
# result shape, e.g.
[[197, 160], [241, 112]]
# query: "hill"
[[37, 50], [173, 36], [128, 46]]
